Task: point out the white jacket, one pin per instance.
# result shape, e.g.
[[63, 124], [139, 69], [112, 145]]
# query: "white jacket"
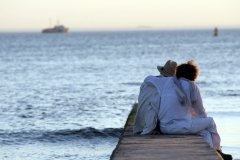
[[147, 111], [149, 101]]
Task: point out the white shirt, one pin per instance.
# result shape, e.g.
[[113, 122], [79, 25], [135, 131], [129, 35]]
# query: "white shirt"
[[172, 113]]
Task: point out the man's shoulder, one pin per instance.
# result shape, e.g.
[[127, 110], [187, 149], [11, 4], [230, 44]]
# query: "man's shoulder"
[[151, 77]]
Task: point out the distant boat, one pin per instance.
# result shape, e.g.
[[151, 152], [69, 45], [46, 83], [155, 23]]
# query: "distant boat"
[[215, 32], [56, 29]]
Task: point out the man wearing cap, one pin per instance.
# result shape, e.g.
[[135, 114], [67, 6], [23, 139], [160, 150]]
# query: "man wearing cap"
[[168, 70], [146, 118]]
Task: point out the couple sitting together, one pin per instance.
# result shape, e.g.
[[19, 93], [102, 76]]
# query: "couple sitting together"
[[171, 104]]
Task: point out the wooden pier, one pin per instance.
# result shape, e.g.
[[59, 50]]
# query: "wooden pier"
[[168, 147]]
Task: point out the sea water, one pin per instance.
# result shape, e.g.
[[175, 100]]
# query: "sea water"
[[67, 96]]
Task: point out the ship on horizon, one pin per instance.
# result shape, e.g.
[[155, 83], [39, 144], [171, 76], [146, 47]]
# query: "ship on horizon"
[[56, 29]]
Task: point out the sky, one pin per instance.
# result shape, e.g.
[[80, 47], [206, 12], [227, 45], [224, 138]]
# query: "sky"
[[30, 15]]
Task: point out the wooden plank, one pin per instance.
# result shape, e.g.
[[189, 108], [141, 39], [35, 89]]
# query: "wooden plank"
[[180, 147]]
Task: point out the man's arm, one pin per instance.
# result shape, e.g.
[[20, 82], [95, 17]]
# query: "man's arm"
[[199, 110]]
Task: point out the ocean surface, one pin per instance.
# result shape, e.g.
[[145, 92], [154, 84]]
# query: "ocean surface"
[[67, 96]]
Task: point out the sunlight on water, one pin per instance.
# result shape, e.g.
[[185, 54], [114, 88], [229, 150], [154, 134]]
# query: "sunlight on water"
[[228, 128]]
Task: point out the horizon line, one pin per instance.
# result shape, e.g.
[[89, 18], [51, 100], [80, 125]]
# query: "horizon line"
[[138, 28]]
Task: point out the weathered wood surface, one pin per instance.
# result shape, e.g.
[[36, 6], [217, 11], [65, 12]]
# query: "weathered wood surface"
[[170, 147]]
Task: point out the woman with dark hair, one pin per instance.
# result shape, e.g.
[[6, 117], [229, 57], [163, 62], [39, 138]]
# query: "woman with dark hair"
[[181, 108], [189, 71]]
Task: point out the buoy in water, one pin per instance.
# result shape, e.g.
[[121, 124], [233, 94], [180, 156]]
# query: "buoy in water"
[[215, 32]]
